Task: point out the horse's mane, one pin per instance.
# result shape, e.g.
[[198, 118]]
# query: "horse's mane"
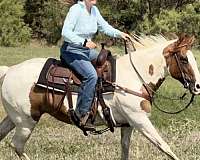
[[147, 41]]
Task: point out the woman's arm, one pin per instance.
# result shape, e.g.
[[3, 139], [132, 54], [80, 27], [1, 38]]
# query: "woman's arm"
[[69, 24], [106, 28]]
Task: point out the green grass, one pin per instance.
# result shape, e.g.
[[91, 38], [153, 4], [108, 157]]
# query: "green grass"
[[11, 56], [52, 140]]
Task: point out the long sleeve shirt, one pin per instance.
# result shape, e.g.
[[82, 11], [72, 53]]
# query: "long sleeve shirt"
[[79, 24]]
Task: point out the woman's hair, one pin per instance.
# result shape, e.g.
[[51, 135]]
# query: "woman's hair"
[[76, 1]]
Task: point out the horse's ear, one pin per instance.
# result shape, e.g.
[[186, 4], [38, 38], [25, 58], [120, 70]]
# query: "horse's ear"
[[181, 45], [185, 40], [184, 43], [181, 37], [190, 42]]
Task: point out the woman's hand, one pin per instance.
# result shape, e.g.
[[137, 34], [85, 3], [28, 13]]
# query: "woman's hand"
[[125, 36], [91, 45]]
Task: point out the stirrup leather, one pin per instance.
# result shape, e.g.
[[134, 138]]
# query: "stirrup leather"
[[105, 108]]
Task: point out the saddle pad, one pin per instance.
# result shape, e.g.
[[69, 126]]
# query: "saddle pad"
[[57, 84]]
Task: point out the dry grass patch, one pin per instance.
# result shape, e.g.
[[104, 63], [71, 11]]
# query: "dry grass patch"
[[52, 140]]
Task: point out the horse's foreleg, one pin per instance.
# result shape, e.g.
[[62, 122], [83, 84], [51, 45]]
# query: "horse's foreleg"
[[125, 141], [140, 121], [20, 137]]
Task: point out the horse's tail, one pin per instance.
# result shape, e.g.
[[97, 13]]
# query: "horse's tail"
[[5, 127], [3, 70]]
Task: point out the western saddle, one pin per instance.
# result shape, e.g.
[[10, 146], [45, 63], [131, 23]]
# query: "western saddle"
[[57, 77]]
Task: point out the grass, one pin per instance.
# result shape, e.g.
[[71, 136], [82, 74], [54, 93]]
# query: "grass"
[[52, 139], [11, 56]]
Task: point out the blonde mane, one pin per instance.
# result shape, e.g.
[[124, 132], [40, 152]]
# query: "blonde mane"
[[146, 42]]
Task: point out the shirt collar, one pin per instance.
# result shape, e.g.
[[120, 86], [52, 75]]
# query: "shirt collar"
[[82, 3]]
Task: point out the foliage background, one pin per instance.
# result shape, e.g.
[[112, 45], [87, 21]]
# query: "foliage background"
[[23, 20]]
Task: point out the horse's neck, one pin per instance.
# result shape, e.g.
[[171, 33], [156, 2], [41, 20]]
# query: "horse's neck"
[[150, 64]]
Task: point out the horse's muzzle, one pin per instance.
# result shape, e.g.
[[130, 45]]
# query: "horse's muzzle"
[[194, 88]]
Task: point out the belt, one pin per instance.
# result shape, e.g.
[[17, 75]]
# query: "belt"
[[83, 50], [76, 45]]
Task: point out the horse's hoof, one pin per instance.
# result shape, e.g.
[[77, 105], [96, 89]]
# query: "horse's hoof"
[[24, 157]]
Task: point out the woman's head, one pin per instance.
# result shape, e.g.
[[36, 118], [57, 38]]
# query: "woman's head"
[[93, 2]]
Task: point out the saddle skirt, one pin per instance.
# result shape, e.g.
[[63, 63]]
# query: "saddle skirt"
[[55, 74]]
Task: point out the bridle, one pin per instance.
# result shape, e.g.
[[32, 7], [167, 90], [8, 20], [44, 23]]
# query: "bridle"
[[148, 88], [185, 81]]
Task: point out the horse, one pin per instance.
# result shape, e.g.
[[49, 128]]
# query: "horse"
[[155, 59]]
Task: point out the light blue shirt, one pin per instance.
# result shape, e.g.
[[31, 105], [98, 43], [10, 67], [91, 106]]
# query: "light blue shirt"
[[79, 24]]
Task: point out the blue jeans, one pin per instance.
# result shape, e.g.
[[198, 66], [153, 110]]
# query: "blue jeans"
[[79, 59]]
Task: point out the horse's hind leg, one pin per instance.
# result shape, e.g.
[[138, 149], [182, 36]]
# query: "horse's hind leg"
[[125, 141], [5, 127], [20, 137]]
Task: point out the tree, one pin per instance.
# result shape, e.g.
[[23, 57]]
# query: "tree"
[[190, 20], [33, 17], [13, 30], [45, 17]]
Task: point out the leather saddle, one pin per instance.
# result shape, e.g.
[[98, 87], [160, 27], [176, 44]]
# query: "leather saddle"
[[56, 76], [55, 73]]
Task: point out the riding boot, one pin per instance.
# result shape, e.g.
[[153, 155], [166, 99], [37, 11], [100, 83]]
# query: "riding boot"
[[85, 123]]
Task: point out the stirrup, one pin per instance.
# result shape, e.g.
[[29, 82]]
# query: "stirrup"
[[84, 122], [77, 122], [84, 118], [107, 115]]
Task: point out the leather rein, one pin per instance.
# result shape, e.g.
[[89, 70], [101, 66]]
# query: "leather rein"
[[150, 96], [185, 84]]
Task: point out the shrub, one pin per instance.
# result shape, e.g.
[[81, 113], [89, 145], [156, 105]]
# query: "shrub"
[[185, 20], [45, 18], [190, 20], [13, 31]]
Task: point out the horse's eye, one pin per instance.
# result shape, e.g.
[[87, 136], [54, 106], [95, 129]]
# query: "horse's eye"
[[184, 60]]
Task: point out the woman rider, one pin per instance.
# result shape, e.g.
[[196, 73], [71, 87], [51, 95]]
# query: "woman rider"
[[81, 23]]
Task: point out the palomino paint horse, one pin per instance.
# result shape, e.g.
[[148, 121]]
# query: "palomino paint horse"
[[25, 103]]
